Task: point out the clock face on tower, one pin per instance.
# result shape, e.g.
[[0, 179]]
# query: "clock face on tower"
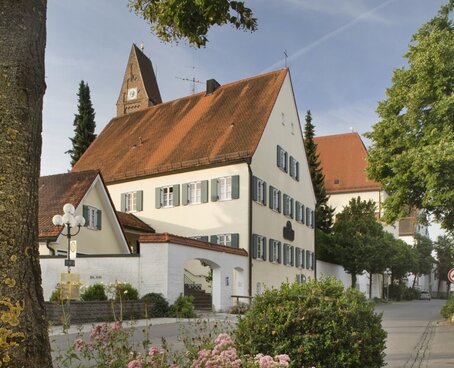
[[132, 94]]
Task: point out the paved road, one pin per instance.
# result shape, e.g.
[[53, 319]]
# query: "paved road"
[[414, 337]]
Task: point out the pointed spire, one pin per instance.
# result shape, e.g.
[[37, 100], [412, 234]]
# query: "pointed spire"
[[140, 88]]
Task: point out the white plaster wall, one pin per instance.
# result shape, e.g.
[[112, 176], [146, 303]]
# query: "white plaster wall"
[[192, 220], [159, 269], [287, 134], [325, 269]]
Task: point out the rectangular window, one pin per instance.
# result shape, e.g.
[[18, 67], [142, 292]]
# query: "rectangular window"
[[275, 251], [259, 247], [259, 190], [288, 254], [308, 216], [132, 201], [308, 260], [167, 196], [195, 192], [294, 169], [225, 239], [92, 217], [275, 199], [282, 159], [288, 206], [225, 188], [299, 212], [299, 257], [229, 240]]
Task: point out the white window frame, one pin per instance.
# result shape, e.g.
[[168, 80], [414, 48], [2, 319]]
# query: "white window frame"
[[275, 251], [288, 256], [131, 202], [92, 218], [261, 191], [282, 160], [261, 246], [195, 192], [167, 196], [288, 206], [275, 196], [294, 169], [225, 239], [225, 188]]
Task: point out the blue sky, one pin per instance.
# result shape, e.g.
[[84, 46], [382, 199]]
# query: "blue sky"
[[341, 55]]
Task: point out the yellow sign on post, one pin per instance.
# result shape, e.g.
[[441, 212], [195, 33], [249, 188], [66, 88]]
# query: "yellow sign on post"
[[70, 286]]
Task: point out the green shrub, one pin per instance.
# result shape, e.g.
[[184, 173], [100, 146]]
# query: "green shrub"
[[55, 297], [94, 292], [396, 291], [183, 307], [447, 311], [125, 291], [160, 305], [411, 294], [318, 324], [239, 308]]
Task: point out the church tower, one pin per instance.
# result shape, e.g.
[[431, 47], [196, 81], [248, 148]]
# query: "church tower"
[[140, 88]]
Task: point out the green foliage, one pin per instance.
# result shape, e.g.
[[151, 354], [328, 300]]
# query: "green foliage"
[[400, 292], [403, 259], [191, 20], [125, 291], [412, 153], [84, 122], [357, 236], [160, 305], [411, 294], [318, 324], [324, 244], [423, 248], [444, 246], [183, 307], [324, 213], [447, 311], [239, 308], [55, 297], [94, 292]]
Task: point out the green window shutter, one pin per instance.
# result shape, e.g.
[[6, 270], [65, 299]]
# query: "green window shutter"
[[279, 149], [302, 258], [308, 259], [302, 213], [235, 240], [279, 201], [204, 238], [279, 252], [271, 196], [184, 194], [204, 191], [176, 195], [214, 239], [297, 257], [286, 260], [235, 186], [270, 246], [214, 190], [263, 244], [292, 171], [264, 193], [158, 198], [312, 219], [139, 200], [308, 216], [292, 255], [291, 208], [254, 245], [85, 215], [98, 219], [297, 211], [297, 174], [123, 202], [285, 204], [286, 162], [254, 188]]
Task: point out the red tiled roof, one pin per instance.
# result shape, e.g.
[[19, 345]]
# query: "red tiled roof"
[[343, 158], [194, 131], [54, 192], [169, 238], [128, 220]]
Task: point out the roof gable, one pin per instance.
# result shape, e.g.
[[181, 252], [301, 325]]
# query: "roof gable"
[[343, 158], [194, 131], [55, 191]]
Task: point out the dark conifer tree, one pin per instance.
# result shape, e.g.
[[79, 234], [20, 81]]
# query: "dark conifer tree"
[[324, 213], [84, 123]]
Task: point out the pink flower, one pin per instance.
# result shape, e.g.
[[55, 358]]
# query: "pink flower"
[[137, 363], [116, 326], [282, 358], [79, 344]]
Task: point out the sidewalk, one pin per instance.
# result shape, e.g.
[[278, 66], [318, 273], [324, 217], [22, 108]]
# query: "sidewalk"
[[441, 349], [86, 327]]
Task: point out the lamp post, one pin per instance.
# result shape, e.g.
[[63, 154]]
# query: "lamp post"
[[70, 222]]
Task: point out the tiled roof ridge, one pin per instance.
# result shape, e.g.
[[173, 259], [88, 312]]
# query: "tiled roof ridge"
[[181, 240], [80, 173], [201, 94], [336, 135]]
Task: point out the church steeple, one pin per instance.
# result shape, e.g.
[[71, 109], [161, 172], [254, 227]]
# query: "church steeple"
[[140, 88]]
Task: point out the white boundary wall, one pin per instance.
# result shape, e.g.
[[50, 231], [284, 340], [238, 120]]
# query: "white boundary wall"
[[159, 269]]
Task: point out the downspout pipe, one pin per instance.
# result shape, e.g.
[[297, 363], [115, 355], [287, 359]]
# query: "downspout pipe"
[[250, 230]]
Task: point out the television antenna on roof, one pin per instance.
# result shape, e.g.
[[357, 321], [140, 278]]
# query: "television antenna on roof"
[[193, 83]]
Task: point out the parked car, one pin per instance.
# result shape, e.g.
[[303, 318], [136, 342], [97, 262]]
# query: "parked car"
[[425, 295]]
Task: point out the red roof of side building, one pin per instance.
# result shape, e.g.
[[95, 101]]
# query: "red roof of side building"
[[195, 131], [54, 192], [343, 158], [128, 220]]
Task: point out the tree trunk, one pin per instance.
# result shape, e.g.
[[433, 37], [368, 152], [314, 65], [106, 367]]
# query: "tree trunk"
[[353, 280], [370, 285], [23, 325]]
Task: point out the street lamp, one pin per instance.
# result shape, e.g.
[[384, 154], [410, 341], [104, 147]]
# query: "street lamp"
[[69, 221]]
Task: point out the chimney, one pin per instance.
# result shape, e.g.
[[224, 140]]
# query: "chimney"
[[212, 85]]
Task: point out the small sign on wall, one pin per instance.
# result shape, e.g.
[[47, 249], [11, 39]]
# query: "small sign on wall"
[[227, 281]]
